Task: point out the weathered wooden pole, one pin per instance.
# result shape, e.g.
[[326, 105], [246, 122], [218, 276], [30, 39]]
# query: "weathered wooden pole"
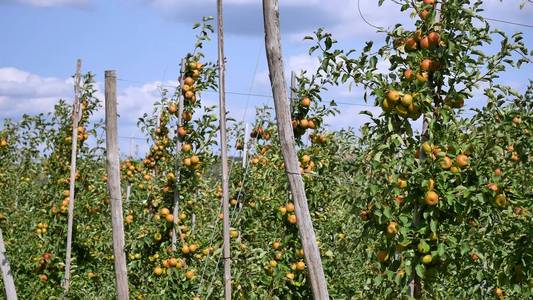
[[76, 112], [175, 210], [286, 136], [7, 276], [224, 151], [293, 94], [113, 184]]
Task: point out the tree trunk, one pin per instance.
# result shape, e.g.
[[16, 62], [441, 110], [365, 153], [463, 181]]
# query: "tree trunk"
[[286, 135], [113, 184], [7, 276]]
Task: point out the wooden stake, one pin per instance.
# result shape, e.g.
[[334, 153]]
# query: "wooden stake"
[[175, 210], [76, 112], [128, 192], [113, 184], [293, 94], [245, 145], [286, 135], [224, 151], [7, 276]]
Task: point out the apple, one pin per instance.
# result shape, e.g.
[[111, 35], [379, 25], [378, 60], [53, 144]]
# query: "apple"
[[426, 259], [431, 198], [408, 74], [407, 100], [424, 14], [392, 228], [425, 43], [47, 256], [462, 160], [411, 44], [434, 39], [383, 256], [393, 96], [446, 163], [426, 64], [422, 77]]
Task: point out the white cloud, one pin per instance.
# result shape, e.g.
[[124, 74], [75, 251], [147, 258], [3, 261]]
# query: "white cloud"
[[22, 92], [298, 17], [13, 75], [350, 117], [302, 62], [135, 100], [261, 79], [302, 17], [383, 67], [245, 16], [296, 63], [50, 3], [174, 3]]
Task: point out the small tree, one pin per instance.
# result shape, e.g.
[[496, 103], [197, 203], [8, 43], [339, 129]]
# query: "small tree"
[[425, 201]]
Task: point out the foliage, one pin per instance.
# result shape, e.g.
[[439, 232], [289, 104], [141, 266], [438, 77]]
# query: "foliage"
[[449, 207]]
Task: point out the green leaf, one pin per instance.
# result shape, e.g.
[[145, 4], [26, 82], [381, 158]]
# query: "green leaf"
[[433, 225], [440, 250], [366, 112], [328, 42], [373, 62], [479, 276], [377, 156], [420, 270], [387, 212]]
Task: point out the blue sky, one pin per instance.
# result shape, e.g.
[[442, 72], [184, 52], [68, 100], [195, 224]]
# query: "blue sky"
[[144, 39]]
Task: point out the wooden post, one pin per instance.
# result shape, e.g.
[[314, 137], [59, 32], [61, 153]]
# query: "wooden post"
[[128, 192], [76, 112], [286, 135], [7, 276], [128, 185], [224, 151], [293, 94], [176, 208], [113, 184]]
